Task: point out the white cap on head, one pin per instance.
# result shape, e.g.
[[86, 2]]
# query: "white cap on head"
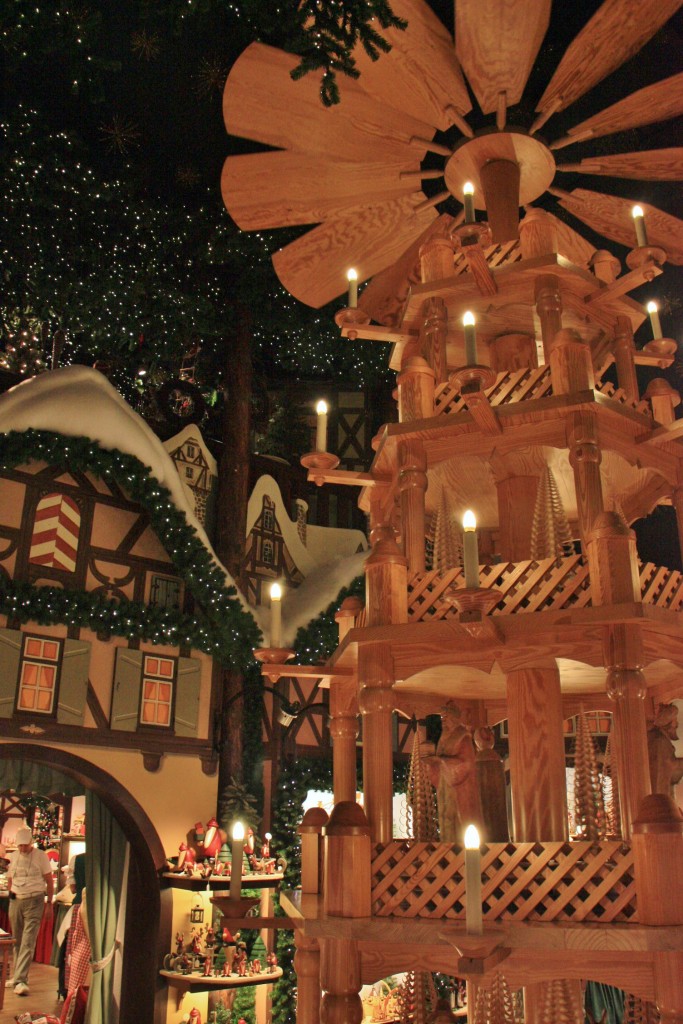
[[23, 836]]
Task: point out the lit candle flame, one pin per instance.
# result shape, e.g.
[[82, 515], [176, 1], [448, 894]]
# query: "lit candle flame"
[[637, 211], [468, 188], [238, 832], [321, 408], [468, 319], [275, 592], [469, 521], [472, 841], [351, 274]]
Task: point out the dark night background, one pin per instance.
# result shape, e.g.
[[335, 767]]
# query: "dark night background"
[[136, 87]]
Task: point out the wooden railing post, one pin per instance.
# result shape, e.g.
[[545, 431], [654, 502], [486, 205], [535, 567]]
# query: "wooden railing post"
[[347, 894], [669, 986], [537, 234], [613, 561], [624, 357], [412, 482], [415, 390], [663, 400], [657, 841], [386, 574], [549, 309], [677, 502], [536, 737], [585, 458], [311, 830], [571, 364], [344, 712], [376, 679]]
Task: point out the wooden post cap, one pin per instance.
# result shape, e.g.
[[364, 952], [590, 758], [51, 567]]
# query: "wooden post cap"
[[349, 606], [347, 819], [314, 820], [658, 814], [660, 388], [567, 336]]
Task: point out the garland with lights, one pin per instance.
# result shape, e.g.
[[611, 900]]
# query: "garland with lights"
[[227, 631], [315, 642]]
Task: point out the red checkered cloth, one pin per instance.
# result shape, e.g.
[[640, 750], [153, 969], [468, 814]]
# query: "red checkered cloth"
[[77, 953]]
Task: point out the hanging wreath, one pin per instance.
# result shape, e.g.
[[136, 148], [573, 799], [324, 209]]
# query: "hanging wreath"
[[180, 403]]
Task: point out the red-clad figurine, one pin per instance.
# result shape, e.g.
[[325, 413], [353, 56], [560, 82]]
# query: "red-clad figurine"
[[213, 838], [271, 960], [186, 858]]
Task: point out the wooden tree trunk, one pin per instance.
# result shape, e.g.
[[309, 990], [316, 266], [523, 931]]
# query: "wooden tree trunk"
[[231, 524]]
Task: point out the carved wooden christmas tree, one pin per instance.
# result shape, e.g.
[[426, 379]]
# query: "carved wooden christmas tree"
[[589, 804], [609, 771], [494, 1005], [639, 1011], [550, 533], [560, 1003], [447, 537], [422, 817], [417, 997]]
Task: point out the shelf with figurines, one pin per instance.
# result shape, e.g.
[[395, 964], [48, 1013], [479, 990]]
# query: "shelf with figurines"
[[205, 860]]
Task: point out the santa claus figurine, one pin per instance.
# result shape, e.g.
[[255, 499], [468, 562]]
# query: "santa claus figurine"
[[213, 838], [186, 858]]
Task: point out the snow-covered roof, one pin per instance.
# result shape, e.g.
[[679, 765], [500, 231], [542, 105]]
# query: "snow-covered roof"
[[80, 402]]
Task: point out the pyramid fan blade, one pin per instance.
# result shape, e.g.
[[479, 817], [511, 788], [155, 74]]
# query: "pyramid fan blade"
[[656, 102], [272, 190], [651, 165], [420, 75], [263, 103], [384, 298], [313, 268], [496, 43], [617, 30], [611, 216]]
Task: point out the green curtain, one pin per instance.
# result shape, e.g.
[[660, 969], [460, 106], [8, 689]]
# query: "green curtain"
[[604, 999], [31, 777], [106, 879]]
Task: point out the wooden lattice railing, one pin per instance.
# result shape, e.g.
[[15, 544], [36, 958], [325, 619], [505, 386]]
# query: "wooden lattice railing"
[[605, 387], [516, 386], [661, 586], [529, 586], [579, 881]]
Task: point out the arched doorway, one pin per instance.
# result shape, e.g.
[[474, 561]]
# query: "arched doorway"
[[143, 923]]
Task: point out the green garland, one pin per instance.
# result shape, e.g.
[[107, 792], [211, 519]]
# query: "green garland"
[[226, 631], [318, 640]]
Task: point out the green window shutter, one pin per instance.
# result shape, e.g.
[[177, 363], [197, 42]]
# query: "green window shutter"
[[10, 656], [125, 703], [73, 682], [186, 718]]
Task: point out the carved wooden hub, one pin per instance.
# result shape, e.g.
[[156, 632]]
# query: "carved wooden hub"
[[508, 170]]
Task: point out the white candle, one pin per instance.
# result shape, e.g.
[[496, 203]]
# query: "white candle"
[[473, 921], [468, 197], [639, 222], [236, 851], [653, 312], [275, 615], [321, 430], [470, 549], [352, 278], [469, 322]]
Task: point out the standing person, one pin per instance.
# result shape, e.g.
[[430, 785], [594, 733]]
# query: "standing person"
[[29, 880]]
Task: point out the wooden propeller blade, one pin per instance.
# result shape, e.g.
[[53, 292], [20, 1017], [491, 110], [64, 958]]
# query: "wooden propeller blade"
[[262, 102], [496, 43], [651, 165], [656, 102], [273, 190], [420, 75], [384, 298], [313, 268], [617, 30], [611, 216]]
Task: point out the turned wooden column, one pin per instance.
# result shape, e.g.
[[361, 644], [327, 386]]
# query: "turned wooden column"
[[434, 337], [624, 357], [376, 679], [308, 987], [412, 483], [585, 457], [516, 505], [669, 986], [344, 732], [537, 772], [626, 689], [549, 309], [415, 390], [500, 182], [386, 572], [571, 364], [341, 982]]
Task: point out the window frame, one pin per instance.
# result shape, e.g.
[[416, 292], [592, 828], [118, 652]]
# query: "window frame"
[[39, 660], [144, 675]]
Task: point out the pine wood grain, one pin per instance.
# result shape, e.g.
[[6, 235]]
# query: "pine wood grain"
[[496, 42], [657, 102], [263, 103], [420, 75], [611, 216], [651, 164], [617, 30], [313, 268]]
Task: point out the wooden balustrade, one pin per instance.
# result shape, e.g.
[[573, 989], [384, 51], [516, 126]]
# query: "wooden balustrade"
[[575, 881]]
